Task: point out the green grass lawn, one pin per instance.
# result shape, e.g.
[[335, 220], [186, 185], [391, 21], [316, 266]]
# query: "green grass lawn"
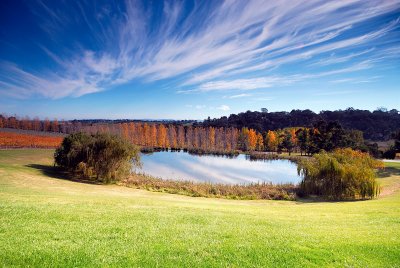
[[46, 220]]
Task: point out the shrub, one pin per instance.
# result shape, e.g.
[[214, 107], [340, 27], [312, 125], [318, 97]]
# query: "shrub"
[[102, 156], [344, 174]]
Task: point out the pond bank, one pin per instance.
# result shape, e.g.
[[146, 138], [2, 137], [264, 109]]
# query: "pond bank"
[[251, 191]]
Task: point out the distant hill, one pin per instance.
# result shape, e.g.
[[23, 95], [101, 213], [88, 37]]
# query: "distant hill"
[[377, 125]]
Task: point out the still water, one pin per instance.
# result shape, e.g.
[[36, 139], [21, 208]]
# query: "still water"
[[217, 169]]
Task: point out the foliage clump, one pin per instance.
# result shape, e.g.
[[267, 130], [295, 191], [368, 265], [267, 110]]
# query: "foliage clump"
[[343, 174], [101, 156]]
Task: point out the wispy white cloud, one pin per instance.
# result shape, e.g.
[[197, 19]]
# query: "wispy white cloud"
[[208, 47], [237, 96], [223, 108], [333, 59], [356, 80], [246, 84], [274, 81]]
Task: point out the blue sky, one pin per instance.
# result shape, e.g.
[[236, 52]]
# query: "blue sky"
[[193, 59]]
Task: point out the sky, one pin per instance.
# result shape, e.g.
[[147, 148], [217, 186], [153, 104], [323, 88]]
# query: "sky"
[[193, 59]]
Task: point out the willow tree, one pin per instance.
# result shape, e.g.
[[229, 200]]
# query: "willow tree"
[[344, 174], [102, 157]]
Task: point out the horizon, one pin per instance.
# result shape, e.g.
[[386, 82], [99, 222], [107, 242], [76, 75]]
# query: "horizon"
[[31, 117], [189, 60]]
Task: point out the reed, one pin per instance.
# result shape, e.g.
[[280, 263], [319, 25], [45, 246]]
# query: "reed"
[[204, 189]]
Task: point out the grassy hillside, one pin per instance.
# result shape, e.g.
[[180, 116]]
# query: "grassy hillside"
[[46, 220]]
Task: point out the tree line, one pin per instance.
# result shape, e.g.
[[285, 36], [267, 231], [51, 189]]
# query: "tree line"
[[322, 135], [377, 125]]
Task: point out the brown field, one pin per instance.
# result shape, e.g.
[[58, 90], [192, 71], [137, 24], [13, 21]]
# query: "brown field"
[[19, 140]]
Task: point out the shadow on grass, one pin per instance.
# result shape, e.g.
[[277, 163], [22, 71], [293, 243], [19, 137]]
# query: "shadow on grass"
[[59, 173], [314, 199], [388, 171]]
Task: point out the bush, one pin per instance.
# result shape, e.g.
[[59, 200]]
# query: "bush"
[[344, 174], [104, 157]]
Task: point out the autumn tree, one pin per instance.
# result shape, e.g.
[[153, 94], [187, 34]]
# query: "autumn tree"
[[153, 135], [181, 136], [161, 136], [132, 130], [46, 125], [211, 138], [172, 136], [252, 138], [146, 134], [196, 138], [271, 141], [260, 142], [189, 137], [54, 125], [125, 131], [36, 124]]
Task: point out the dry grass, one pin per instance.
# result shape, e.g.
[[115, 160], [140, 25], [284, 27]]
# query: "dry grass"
[[202, 189]]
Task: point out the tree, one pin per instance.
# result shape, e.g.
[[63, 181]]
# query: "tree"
[[189, 137], [196, 138], [181, 136], [172, 136], [162, 136], [2, 121], [303, 139], [260, 142], [341, 174], [211, 138], [146, 134], [36, 124], [12, 122], [397, 141], [287, 142], [252, 139], [46, 125], [101, 156], [132, 130], [153, 135], [243, 139], [271, 141], [54, 125], [327, 136]]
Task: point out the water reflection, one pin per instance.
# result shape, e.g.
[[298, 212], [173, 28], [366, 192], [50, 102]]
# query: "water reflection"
[[217, 169]]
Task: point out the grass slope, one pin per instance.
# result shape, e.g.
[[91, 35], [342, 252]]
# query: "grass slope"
[[48, 221]]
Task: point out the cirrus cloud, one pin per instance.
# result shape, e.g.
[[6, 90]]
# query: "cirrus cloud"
[[229, 45]]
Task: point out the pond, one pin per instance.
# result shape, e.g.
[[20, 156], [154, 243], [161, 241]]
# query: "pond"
[[217, 169]]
